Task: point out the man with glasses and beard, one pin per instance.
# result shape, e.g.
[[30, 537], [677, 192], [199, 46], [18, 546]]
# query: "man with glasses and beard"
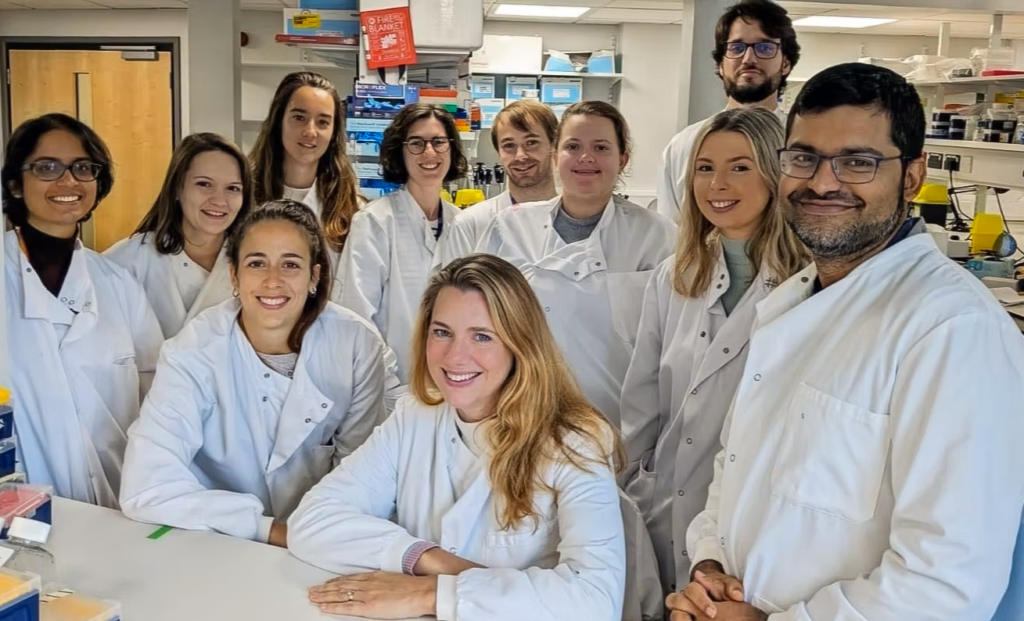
[[872, 464], [755, 50]]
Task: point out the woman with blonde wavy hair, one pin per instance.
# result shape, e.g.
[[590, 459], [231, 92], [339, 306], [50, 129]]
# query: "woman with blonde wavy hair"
[[734, 247], [499, 475]]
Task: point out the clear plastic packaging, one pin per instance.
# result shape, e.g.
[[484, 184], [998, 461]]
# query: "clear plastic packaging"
[[61, 604], [26, 501], [25, 549]]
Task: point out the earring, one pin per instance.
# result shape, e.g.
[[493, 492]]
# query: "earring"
[[234, 293], [312, 292]]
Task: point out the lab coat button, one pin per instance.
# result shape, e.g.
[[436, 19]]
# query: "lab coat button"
[[703, 334], [266, 376], [725, 351], [732, 457], [323, 406], [599, 264], [682, 493], [718, 286], [453, 440], [309, 420], [723, 541], [689, 440], [264, 399], [547, 309], [693, 392], [685, 553], [757, 377], [72, 302], [804, 279], [721, 277], [452, 550], [64, 300], [28, 269]]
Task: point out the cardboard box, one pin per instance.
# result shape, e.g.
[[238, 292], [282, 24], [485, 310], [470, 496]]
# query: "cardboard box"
[[508, 54], [489, 108], [561, 90], [308, 23]]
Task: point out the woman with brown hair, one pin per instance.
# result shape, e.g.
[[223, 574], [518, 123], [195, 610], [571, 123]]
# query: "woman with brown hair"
[[300, 155], [396, 239], [177, 251], [587, 253], [259, 397], [734, 247], [499, 474]]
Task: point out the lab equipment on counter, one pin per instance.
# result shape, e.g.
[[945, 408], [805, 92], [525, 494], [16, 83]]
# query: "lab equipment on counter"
[[19, 596], [8, 457], [991, 267], [24, 549], [61, 604], [932, 204], [21, 500]]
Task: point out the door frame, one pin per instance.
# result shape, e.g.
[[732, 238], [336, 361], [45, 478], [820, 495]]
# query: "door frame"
[[161, 44]]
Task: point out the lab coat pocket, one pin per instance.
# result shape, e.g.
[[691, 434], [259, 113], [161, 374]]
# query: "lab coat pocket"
[[116, 383], [641, 488], [833, 456], [626, 299], [524, 547]]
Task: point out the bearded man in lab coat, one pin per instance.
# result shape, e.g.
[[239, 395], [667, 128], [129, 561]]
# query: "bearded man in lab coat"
[[872, 465], [755, 50]]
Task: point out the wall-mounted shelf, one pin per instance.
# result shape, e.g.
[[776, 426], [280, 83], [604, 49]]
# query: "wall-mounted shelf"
[[339, 52], [272, 64], [981, 82], [973, 144], [556, 74]]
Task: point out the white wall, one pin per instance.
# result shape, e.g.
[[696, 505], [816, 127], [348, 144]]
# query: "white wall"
[[649, 99]]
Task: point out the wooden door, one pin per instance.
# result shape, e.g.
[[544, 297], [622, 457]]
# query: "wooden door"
[[127, 102]]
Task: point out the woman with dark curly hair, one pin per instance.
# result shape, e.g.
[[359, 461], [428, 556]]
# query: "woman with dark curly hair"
[[392, 247]]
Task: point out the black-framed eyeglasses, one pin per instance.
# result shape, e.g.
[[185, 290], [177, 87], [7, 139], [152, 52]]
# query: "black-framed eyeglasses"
[[419, 145], [52, 170], [851, 169], [765, 50]]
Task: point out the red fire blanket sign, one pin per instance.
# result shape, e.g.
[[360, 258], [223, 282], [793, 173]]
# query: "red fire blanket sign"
[[388, 37]]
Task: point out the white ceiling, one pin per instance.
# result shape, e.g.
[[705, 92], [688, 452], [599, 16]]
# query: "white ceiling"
[[911, 21]]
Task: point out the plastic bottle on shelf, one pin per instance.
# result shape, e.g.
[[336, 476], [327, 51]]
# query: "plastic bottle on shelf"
[[25, 549]]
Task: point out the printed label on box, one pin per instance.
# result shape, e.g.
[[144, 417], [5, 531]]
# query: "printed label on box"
[[306, 20]]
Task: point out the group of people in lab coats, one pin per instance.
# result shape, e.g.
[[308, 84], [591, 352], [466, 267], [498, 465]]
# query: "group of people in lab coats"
[[555, 404]]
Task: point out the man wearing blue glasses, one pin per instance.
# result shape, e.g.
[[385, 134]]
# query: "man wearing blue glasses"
[[755, 50], [871, 465]]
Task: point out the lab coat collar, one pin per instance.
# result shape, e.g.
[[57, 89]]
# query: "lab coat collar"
[[800, 287], [77, 293], [219, 280], [578, 260], [304, 407], [468, 511]]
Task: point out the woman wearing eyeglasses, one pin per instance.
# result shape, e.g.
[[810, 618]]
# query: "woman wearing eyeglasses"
[[393, 246], [82, 336]]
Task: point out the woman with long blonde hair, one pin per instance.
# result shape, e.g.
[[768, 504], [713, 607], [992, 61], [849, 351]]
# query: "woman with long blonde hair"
[[499, 474], [734, 247]]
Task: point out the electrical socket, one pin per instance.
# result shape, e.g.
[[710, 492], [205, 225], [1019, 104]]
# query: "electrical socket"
[[935, 161], [951, 163]]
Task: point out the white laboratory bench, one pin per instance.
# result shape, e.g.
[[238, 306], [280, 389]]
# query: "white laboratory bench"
[[199, 576]]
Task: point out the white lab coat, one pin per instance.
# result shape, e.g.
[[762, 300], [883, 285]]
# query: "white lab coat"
[[644, 599], [472, 222], [82, 362], [674, 161], [569, 565], [591, 290], [198, 456], [687, 363], [872, 464], [160, 275], [386, 264]]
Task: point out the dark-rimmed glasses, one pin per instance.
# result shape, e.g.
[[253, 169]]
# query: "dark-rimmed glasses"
[[765, 50], [52, 170], [851, 169], [419, 145]]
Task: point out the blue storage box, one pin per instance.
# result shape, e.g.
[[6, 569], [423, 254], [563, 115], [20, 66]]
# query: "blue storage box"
[[332, 24], [330, 5], [6, 422], [8, 458], [515, 85], [482, 87], [561, 90], [559, 61], [19, 596], [601, 61]]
